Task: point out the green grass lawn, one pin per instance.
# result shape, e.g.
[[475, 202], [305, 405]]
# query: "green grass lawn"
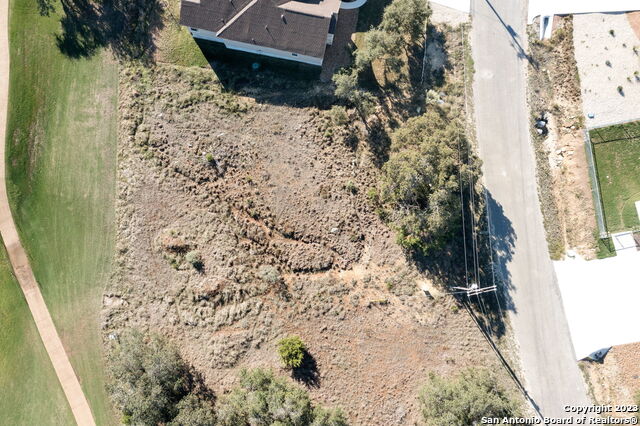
[[174, 42], [61, 158], [617, 154], [31, 393]]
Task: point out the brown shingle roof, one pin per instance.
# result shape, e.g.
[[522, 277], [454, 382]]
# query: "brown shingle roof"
[[261, 23]]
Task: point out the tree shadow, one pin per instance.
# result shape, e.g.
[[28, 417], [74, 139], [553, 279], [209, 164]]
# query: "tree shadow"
[[433, 77], [307, 373], [515, 43], [371, 14], [496, 242], [480, 259], [126, 27], [197, 384]]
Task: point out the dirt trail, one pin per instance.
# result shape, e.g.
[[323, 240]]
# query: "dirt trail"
[[20, 262]]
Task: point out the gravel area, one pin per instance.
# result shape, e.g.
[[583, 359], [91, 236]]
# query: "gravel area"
[[604, 48]]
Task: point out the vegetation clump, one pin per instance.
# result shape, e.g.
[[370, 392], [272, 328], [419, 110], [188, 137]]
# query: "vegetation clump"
[[195, 259], [292, 351], [465, 399], [264, 399], [152, 385]]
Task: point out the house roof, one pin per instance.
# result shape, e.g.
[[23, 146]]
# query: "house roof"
[[293, 26]]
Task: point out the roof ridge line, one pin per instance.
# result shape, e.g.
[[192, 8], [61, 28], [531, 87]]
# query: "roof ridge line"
[[235, 17]]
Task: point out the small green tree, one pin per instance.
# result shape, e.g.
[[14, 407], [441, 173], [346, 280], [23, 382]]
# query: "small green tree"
[[465, 399], [195, 259], [292, 351], [406, 17], [379, 45]]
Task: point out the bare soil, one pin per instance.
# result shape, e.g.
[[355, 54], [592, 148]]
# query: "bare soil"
[[616, 380], [273, 200], [563, 179]]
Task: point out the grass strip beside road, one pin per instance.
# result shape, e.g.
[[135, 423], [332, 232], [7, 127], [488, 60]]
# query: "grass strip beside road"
[[61, 164]]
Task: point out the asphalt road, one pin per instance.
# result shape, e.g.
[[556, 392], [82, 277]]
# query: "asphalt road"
[[498, 38]]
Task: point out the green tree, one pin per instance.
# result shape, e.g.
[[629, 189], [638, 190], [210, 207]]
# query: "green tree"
[[465, 399], [147, 378], [421, 181], [406, 17], [292, 351], [380, 45], [263, 399]]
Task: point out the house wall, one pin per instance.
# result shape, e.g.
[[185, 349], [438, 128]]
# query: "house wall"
[[252, 48]]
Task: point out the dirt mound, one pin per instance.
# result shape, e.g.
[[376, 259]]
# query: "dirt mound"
[[240, 223]]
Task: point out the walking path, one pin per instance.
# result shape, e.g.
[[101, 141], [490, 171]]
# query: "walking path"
[[20, 262]]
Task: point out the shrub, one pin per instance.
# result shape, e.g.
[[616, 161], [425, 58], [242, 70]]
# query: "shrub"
[[338, 115], [347, 88], [195, 259], [210, 159], [265, 399], [292, 351], [465, 399], [269, 274]]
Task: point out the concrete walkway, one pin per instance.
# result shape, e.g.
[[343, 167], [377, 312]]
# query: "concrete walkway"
[[20, 262]]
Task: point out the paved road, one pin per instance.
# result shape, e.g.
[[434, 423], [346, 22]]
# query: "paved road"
[[20, 262], [498, 41]]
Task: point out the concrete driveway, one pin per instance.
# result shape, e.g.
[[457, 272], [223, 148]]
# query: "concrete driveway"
[[601, 299], [547, 359]]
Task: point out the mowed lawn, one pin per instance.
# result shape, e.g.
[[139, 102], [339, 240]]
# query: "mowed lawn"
[[31, 393], [617, 154], [61, 160]]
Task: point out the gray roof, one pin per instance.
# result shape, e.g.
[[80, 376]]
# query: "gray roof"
[[259, 22]]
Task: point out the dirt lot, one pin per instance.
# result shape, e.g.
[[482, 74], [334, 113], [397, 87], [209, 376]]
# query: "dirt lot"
[[271, 201], [565, 191], [617, 379]]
